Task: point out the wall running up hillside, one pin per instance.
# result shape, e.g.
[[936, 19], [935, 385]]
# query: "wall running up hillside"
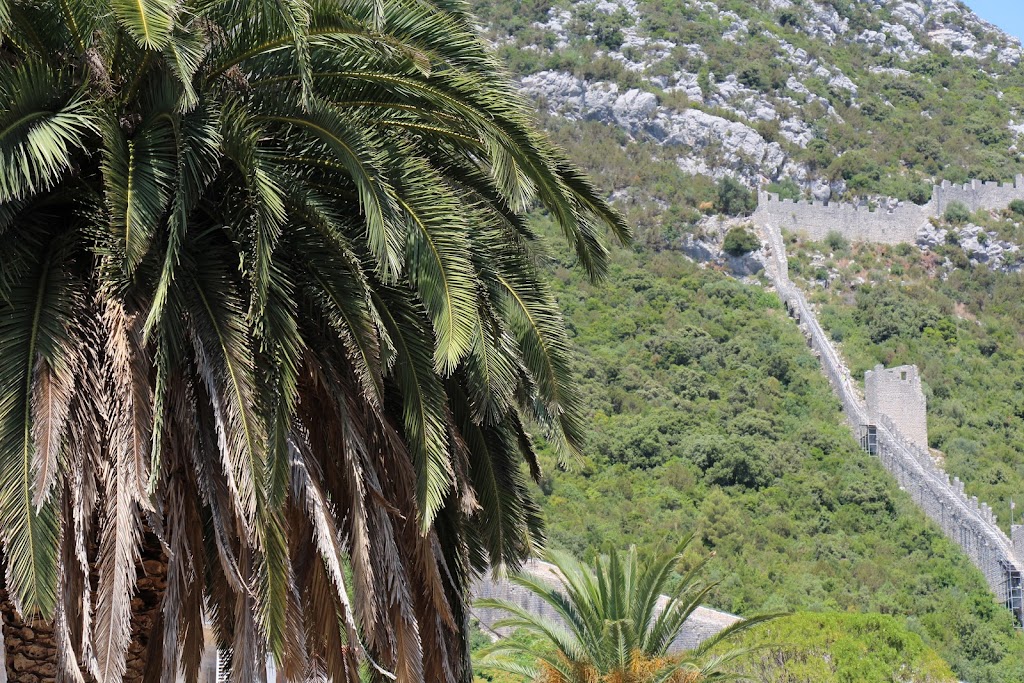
[[859, 223], [970, 524]]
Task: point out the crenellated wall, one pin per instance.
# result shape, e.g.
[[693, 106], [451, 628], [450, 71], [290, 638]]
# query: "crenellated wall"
[[855, 222], [967, 522], [976, 194], [858, 222]]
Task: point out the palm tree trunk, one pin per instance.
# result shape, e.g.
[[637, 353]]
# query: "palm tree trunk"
[[30, 652], [145, 653]]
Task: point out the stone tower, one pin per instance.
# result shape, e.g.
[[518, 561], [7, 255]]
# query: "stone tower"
[[896, 393]]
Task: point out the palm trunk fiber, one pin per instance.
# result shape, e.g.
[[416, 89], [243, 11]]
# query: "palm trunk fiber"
[[30, 652]]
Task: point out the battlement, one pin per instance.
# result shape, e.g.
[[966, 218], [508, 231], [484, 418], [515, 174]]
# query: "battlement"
[[770, 197], [889, 223], [971, 185]]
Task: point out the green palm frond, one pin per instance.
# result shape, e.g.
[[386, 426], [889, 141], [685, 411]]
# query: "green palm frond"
[[33, 325], [609, 620], [140, 175], [423, 402], [535, 320], [45, 121], [338, 288], [361, 155], [198, 141], [149, 22], [224, 347], [507, 518], [564, 640], [438, 267], [491, 371], [185, 51], [261, 221]]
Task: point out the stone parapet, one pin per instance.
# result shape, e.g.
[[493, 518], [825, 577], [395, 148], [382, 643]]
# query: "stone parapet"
[[859, 222]]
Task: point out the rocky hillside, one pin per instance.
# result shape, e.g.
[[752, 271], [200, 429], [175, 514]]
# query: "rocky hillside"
[[821, 98]]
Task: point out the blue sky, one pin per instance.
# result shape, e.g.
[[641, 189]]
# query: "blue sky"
[[1006, 14]]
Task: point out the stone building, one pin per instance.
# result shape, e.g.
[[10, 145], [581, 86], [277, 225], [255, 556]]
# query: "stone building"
[[896, 393]]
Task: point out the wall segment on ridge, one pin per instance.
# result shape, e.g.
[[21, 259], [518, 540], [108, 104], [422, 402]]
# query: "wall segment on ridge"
[[861, 223]]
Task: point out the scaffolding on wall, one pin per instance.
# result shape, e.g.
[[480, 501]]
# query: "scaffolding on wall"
[[1014, 592], [869, 439]]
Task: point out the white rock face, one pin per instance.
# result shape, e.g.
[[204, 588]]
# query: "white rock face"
[[980, 246], [825, 23], [910, 14], [892, 39], [730, 144], [821, 190], [633, 108], [741, 149]]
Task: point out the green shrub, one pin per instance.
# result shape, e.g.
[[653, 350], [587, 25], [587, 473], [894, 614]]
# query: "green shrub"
[[734, 198], [789, 18], [753, 76], [829, 648], [818, 154], [603, 28], [836, 241], [920, 193], [1017, 207], [957, 213], [739, 241], [785, 188]]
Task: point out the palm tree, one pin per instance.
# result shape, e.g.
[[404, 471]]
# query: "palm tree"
[[272, 333], [616, 623]]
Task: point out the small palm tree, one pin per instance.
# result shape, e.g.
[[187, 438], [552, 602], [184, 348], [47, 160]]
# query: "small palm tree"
[[618, 618]]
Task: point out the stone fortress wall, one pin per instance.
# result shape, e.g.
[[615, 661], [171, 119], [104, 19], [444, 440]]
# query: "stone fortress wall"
[[859, 223], [966, 521], [896, 394]]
